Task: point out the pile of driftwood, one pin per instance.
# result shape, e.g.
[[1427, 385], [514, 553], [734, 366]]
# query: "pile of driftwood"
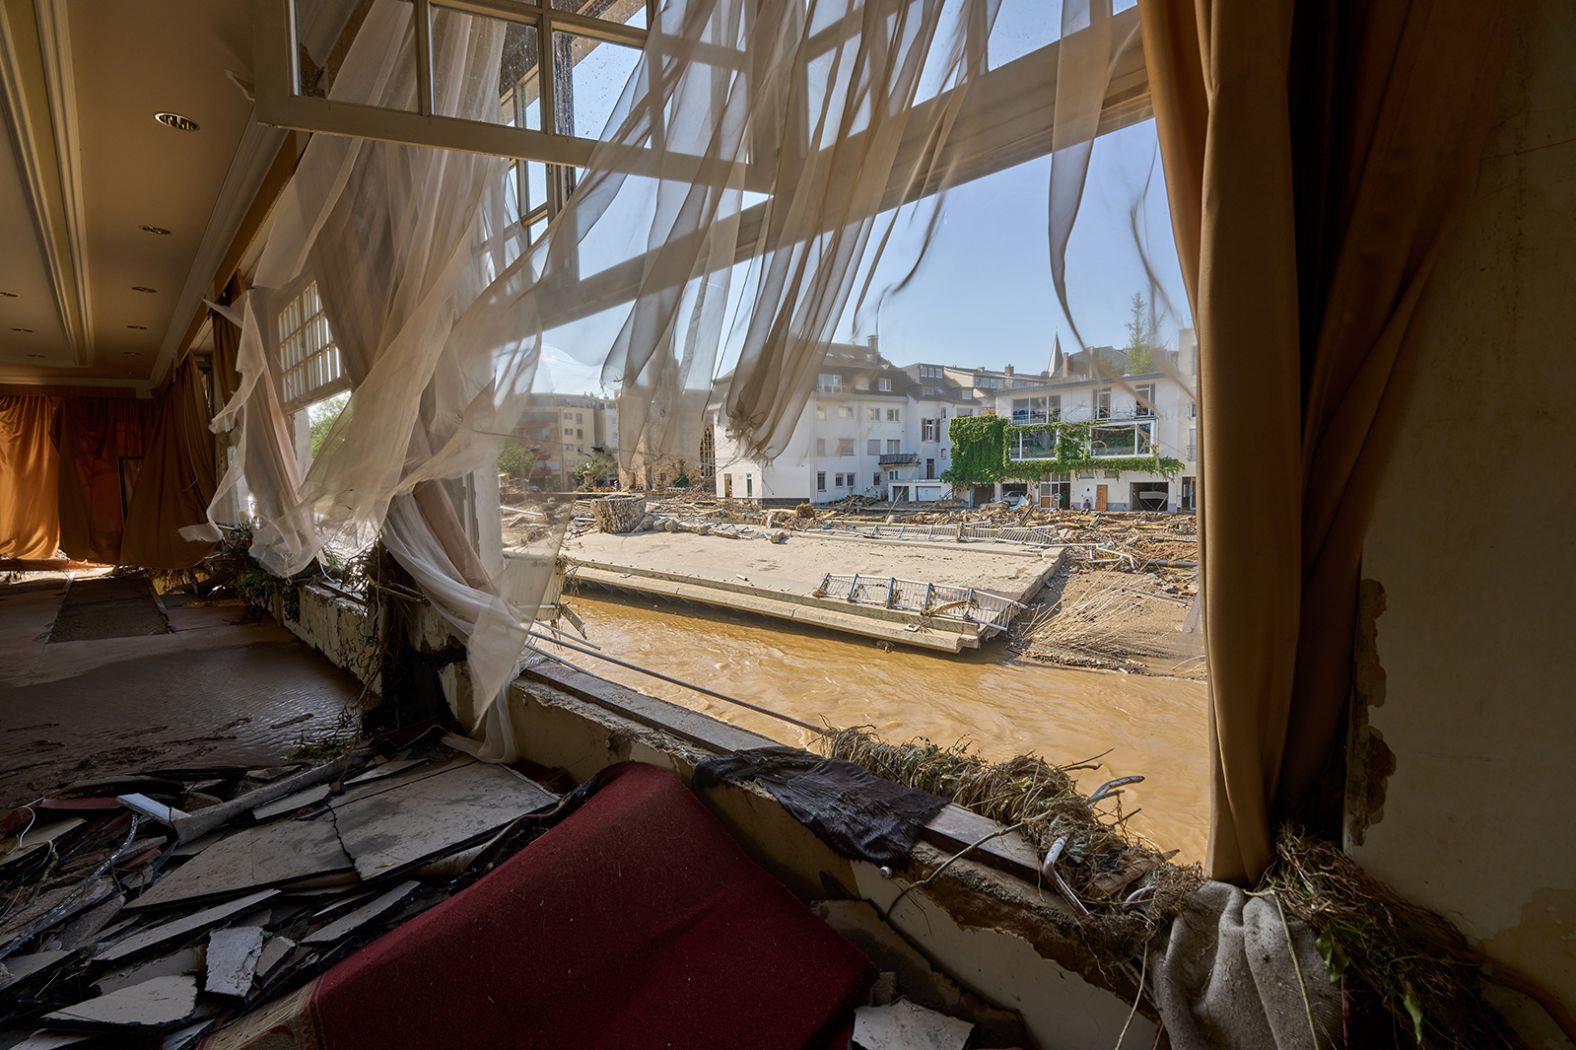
[[146, 909]]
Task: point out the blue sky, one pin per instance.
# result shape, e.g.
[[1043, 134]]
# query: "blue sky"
[[983, 295]]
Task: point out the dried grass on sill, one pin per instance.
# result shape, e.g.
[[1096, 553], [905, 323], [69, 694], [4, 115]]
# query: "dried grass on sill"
[[1411, 958], [1100, 857]]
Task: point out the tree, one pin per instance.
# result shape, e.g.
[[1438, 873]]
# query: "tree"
[[515, 460], [1143, 337], [600, 465], [321, 416]]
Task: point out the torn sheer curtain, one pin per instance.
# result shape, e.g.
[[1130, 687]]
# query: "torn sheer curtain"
[[772, 170]]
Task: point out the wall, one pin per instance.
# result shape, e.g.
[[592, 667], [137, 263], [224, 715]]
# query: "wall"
[[1472, 543]]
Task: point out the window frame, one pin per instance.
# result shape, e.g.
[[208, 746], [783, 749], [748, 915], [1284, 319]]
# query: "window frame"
[[309, 394]]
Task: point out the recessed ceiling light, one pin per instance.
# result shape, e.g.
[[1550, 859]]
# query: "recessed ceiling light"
[[144, 289], [157, 231], [36, 357], [132, 353], [176, 121], [23, 331], [138, 327], [7, 295]]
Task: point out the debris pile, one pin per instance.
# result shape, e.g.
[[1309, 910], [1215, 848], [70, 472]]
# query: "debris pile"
[[149, 908]]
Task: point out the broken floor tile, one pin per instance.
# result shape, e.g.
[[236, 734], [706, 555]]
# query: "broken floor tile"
[[232, 959], [21, 967], [269, 855], [274, 953], [344, 927], [908, 1026], [412, 820], [187, 960], [182, 927], [163, 1002], [291, 803]]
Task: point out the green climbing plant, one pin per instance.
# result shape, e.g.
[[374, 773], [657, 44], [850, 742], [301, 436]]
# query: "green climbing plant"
[[981, 449]]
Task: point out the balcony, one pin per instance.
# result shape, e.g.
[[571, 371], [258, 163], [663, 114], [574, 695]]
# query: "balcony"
[[1122, 439], [1031, 444], [892, 459]]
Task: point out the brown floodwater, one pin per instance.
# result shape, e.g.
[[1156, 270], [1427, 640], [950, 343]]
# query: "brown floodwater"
[[1152, 726]]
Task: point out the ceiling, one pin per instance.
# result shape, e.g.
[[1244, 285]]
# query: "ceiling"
[[84, 166]]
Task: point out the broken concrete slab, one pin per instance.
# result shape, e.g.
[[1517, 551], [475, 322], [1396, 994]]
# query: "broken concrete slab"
[[908, 1026], [161, 1003], [268, 855], [414, 819], [341, 928], [182, 927], [232, 960]]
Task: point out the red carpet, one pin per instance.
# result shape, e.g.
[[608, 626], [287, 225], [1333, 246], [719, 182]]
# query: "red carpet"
[[638, 922]]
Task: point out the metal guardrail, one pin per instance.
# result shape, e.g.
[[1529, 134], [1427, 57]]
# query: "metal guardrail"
[[1033, 535], [993, 612]]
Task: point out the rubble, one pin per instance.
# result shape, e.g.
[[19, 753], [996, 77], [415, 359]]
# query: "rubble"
[[130, 920]]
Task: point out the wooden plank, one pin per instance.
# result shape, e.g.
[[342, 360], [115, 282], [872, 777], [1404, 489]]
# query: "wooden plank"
[[955, 827], [182, 927]]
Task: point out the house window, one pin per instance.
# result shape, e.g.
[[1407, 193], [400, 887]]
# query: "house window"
[[820, 411], [837, 480], [884, 385], [891, 475], [930, 430], [820, 446], [1145, 405], [820, 481], [845, 446], [1053, 408], [873, 447], [580, 417], [1102, 403], [309, 361], [846, 412], [873, 414], [580, 433], [894, 415], [894, 446], [569, 431], [875, 479], [829, 383], [930, 371], [749, 485]]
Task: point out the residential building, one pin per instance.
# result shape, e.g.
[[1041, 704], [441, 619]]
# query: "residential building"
[[1117, 416], [563, 430], [869, 429]]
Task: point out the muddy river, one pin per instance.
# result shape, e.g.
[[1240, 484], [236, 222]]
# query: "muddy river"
[[1151, 726]]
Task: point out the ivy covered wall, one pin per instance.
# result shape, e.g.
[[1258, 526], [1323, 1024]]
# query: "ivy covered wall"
[[981, 446]]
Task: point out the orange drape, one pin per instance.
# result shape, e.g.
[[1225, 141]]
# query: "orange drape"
[[29, 469], [176, 481], [1311, 152], [101, 444]]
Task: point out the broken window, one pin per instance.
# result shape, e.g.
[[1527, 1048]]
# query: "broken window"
[[309, 361]]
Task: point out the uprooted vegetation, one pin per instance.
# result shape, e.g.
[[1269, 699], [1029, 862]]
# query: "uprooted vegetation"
[[1122, 889]]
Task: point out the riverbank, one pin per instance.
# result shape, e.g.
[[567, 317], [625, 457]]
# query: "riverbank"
[[1151, 726]]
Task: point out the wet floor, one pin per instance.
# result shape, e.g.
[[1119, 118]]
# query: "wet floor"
[[1151, 726]]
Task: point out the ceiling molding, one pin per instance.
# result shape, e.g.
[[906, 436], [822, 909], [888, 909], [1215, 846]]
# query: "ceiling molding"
[[24, 78], [54, 42], [254, 156]]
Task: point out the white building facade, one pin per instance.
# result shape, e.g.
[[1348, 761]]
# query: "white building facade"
[[866, 431]]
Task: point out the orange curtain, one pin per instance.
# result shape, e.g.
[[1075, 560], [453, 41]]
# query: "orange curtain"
[[1312, 152], [29, 472], [101, 443], [176, 481]]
